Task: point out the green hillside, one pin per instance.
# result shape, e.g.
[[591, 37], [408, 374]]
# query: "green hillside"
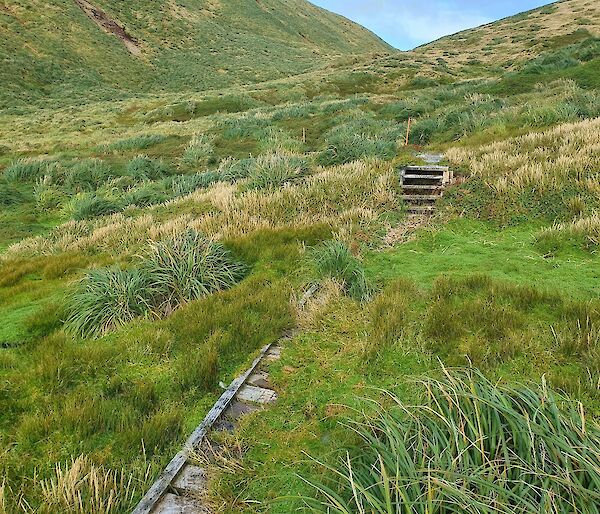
[[282, 175], [53, 49]]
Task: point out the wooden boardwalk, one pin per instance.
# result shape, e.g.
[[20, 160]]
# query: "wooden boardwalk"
[[422, 186], [181, 488]]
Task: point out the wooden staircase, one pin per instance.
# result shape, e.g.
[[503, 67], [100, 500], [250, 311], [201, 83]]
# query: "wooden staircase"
[[422, 186]]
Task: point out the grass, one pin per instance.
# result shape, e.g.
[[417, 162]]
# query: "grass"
[[479, 450], [333, 259], [175, 271], [295, 177]]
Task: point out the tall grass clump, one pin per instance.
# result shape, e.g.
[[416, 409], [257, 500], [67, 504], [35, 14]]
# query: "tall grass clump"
[[88, 175], [140, 142], [275, 170], [82, 487], [199, 150], [142, 167], [107, 298], [9, 194], [188, 267], [333, 259], [473, 446], [583, 233], [25, 170], [90, 205]]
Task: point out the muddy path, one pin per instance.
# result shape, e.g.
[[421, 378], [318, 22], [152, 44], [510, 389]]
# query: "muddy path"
[[110, 26]]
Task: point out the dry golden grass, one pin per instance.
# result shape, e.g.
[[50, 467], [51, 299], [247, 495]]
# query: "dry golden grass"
[[517, 38], [585, 229], [567, 154], [341, 197], [84, 488]]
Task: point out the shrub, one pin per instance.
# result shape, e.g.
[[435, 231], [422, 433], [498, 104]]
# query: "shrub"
[[143, 168], [275, 170], [189, 267], [107, 298], [474, 447], [91, 205], [333, 259]]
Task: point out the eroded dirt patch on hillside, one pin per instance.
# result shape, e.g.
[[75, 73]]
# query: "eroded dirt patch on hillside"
[[111, 26]]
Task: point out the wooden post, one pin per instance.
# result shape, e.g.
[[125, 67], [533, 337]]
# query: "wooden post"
[[304, 135], [407, 131]]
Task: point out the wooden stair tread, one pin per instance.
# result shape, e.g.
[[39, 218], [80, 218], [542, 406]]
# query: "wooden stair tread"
[[253, 394], [421, 197], [424, 177], [190, 479], [174, 504]]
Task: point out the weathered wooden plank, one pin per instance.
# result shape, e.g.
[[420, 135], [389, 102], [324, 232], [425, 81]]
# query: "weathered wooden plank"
[[190, 479], [173, 504], [253, 394], [159, 487]]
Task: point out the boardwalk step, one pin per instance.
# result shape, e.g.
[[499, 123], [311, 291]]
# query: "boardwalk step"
[[424, 177], [420, 187], [191, 478], [273, 354], [421, 208], [173, 504], [253, 394], [421, 197], [426, 168], [259, 379], [238, 409]]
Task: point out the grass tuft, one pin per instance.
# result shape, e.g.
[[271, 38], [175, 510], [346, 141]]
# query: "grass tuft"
[[474, 447]]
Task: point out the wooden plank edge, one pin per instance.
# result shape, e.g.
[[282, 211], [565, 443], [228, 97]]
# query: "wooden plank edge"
[[158, 489]]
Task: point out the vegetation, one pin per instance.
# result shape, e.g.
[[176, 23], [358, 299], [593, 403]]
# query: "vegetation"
[[157, 234], [510, 448]]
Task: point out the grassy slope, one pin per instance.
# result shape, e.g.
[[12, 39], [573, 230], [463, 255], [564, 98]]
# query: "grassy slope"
[[61, 394], [192, 45], [520, 37]]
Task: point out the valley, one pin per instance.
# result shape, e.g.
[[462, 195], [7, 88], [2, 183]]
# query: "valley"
[[163, 214]]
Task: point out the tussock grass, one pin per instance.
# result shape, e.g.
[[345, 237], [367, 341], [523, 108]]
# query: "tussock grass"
[[275, 170], [139, 142], [474, 446], [175, 271], [108, 298], [91, 205], [142, 167], [334, 260], [355, 194], [582, 233], [199, 151], [188, 267], [28, 169]]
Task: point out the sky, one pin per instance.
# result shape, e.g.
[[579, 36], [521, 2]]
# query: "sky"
[[409, 23]]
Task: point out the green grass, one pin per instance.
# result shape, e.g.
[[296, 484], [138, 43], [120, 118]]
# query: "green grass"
[[480, 449], [509, 295], [464, 247]]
